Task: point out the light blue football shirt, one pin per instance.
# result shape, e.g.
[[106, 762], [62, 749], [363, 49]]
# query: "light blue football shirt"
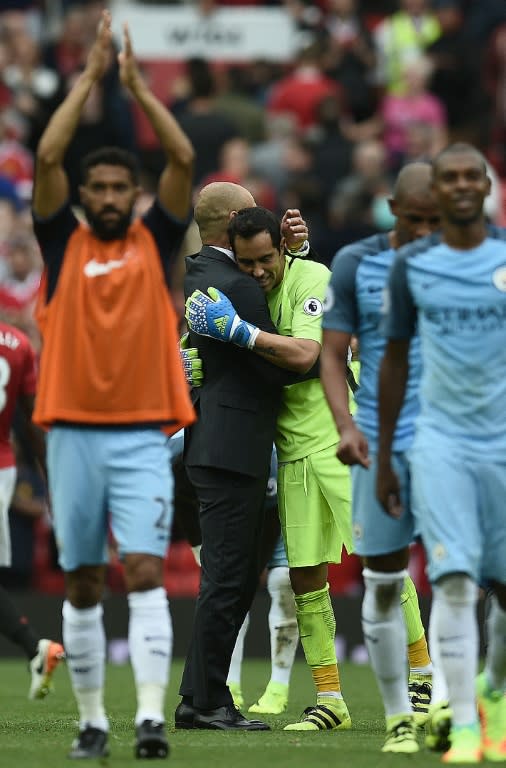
[[457, 301], [353, 305]]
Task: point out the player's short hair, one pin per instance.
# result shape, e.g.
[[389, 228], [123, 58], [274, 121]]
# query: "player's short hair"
[[459, 148], [249, 222], [110, 156]]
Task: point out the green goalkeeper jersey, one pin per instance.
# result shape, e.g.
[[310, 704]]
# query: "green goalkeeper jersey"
[[305, 424]]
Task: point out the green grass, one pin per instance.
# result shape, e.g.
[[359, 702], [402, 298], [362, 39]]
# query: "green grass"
[[38, 734]]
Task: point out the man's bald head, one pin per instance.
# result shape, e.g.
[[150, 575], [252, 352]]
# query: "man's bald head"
[[413, 204], [215, 203], [414, 179]]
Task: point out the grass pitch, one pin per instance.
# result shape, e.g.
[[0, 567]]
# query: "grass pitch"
[[39, 734]]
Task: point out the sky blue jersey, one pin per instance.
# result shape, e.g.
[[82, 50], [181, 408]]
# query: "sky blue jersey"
[[353, 305], [456, 300]]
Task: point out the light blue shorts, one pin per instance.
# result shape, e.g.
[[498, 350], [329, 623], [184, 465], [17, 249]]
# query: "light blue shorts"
[[102, 477], [460, 503], [278, 557], [375, 532]]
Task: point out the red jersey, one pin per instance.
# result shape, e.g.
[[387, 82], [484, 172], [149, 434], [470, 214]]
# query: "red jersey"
[[18, 376], [300, 94]]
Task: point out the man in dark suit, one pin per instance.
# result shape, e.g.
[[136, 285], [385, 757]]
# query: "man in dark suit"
[[227, 456]]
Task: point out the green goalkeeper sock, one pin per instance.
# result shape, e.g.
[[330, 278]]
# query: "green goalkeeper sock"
[[417, 644], [317, 629]]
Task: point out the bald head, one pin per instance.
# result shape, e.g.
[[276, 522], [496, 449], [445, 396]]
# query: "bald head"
[[413, 204], [414, 180], [215, 203]]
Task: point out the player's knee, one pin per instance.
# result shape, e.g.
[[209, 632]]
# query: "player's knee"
[[143, 572], [85, 586], [457, 589], [308, 578]]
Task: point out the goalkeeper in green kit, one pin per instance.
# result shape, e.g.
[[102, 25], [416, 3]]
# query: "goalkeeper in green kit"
[[313, 486]]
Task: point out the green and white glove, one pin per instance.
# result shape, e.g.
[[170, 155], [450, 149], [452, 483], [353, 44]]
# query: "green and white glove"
[[192, 364], [213, 315]]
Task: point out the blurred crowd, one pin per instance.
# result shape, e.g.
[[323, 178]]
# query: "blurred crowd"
[[374, 84]]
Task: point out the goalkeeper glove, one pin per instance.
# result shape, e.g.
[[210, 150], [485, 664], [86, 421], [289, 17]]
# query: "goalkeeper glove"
[[214, 315], [192, 364]]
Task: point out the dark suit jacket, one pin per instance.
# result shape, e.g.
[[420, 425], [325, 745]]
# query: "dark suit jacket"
[[238, 403]]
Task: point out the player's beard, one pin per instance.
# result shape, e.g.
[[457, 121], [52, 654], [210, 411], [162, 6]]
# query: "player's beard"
[[108, 230]]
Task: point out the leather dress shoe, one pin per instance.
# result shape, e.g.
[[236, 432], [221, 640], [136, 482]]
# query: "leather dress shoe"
[[183, 716], [226, 718]]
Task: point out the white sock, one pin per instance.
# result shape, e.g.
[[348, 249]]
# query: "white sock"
[[234, 672], [84, 641], [495, 665], [284, 632], [439, 687], [454, 617], [385, 637], [150, 645]]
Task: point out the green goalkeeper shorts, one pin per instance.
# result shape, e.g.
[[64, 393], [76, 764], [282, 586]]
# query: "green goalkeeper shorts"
[[314, 497]]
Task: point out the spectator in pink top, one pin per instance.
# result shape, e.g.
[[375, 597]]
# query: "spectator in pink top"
[[417, 105]]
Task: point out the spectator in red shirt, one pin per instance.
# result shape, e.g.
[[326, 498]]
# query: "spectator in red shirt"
[[301, 91]]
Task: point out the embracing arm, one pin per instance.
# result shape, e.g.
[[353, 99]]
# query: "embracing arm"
[[297, 355]]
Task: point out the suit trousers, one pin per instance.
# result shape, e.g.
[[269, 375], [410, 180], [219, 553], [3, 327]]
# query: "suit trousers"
[[231, 521]]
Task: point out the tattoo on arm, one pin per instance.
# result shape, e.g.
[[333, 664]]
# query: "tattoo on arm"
[[268, 352]]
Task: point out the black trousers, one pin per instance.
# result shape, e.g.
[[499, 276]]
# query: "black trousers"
[[231, 522]]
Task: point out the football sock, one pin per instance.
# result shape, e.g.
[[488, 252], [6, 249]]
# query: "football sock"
[[385, 637], [150, 645], [454, 617], [439, 686], [317, 629], [284, 633], [495, 665], [84, 642], [15, 627], [418, 654], [234, 672]]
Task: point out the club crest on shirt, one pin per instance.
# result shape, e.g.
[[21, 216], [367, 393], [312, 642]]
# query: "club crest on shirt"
[[499, 279], [439, 551], [313, 307]]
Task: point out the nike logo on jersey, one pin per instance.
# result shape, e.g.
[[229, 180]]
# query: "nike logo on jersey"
[[94, 268]]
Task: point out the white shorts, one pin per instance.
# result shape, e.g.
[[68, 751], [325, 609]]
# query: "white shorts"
[[7, 485]]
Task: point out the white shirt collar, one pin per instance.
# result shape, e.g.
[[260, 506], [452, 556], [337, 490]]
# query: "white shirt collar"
[[227, 251]]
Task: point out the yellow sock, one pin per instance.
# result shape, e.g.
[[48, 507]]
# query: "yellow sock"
[[326, 678], [418, 654]]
